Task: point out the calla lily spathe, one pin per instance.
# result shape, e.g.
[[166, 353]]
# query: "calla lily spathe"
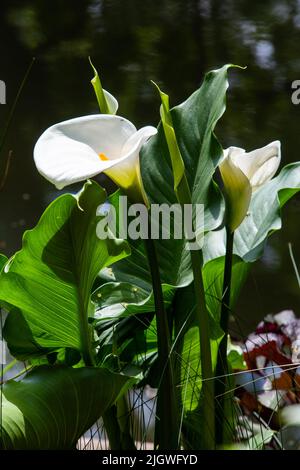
[[111, 101], [78, 149], [243, 173]]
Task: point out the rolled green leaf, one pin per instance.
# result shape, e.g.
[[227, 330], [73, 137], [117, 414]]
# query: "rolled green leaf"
[[166, 119]]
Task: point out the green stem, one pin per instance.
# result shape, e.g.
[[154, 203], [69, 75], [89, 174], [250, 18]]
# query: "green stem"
[[116, 423], [208, 406], [19, 374], [9, 366], [167, 421], [87, 353], [222, 369], [123, 415], [112, 428], [86, 335], [87, 359]]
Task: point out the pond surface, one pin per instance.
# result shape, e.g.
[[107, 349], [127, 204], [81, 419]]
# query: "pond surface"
[[173, 43]]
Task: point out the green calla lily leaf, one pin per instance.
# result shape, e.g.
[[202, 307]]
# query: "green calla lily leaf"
[[167, 122], [48, 284], [96, 82], [213, 274], [122, 299], [53, 406], [107, 103]]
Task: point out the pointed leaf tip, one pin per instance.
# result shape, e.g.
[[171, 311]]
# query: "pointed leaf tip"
[[107, 102], [166, 119]]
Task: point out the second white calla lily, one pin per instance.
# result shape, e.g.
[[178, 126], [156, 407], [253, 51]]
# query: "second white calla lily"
[[243, 173], [80, 148]]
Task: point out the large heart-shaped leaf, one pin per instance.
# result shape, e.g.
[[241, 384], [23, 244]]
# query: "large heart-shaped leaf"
[[263, 217], [53, 406], [48, 283]]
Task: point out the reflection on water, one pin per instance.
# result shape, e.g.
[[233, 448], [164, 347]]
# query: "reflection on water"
[[171, 42]]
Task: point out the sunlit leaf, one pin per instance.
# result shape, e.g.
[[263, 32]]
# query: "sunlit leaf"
[[48, 284]]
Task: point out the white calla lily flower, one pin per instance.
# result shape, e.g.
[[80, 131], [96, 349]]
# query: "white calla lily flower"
[[112, 102], [243, 173], [78, 149]]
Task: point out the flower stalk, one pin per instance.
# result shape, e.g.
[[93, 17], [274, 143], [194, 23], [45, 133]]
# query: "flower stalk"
[[222, 366], [184, 197], [167, 415]]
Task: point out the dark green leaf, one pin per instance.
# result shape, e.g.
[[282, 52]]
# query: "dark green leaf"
[[53, 406]]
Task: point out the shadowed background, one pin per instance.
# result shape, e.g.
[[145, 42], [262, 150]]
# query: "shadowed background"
[[173, 42]]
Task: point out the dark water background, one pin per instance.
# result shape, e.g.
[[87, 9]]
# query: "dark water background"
[[172, 42]]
